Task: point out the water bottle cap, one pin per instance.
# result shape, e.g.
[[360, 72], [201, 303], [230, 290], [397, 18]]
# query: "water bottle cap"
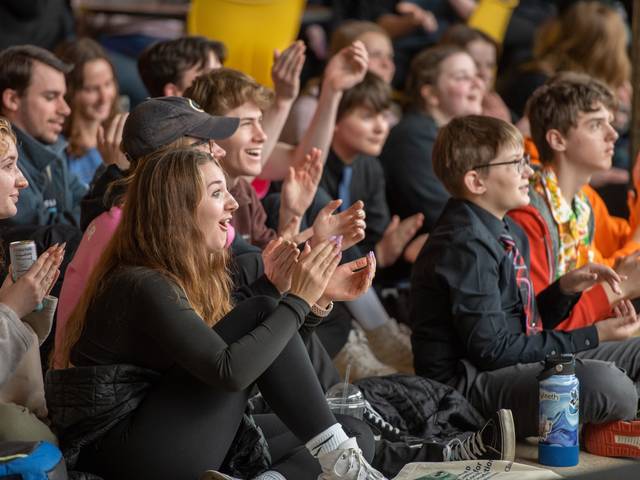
[[558, 364]]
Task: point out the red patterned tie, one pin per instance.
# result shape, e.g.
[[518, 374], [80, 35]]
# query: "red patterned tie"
[[533, 326]]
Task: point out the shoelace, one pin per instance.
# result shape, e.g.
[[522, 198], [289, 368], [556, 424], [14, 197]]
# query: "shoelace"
[[365, 471], [374, 417], [469, 449]]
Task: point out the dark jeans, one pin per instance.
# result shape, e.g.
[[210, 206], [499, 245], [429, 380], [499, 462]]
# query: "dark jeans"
[[609, 376], [184, 427]]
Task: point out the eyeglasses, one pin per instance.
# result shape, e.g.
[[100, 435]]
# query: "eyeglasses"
[[204, 142], [520, 164]]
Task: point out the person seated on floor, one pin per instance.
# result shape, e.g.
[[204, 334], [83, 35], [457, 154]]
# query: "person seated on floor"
[[177, 122], [478, 325], [570, 121], [484, 51], [380, 50], [93, 130], [229, 92], [443, 84], [32, 86], [22, 403], [195, 356]]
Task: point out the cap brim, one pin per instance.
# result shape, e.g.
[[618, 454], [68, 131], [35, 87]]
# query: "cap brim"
[[215, 128]]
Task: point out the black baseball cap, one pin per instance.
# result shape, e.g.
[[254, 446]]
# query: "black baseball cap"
[[159, 121]]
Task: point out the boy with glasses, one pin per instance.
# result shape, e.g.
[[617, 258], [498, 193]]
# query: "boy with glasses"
[[477, 324]]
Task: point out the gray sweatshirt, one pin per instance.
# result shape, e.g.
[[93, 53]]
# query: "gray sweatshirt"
[[15, 340]]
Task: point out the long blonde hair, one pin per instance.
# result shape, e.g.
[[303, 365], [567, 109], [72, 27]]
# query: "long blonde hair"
[[590, 38], [159, 231]]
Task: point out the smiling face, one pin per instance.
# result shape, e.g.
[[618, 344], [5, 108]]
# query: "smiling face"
[[380, 53], [458, 90], [505, 188], [41, 109], [360, 130], [216, 207], [11, 178], [590, 144], [244, 147], [94, 100], [484, 54]]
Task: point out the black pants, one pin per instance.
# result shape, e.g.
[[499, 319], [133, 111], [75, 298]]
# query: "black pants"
[[184, 427]]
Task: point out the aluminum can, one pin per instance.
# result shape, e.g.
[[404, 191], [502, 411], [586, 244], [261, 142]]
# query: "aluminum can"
[[23, 254]]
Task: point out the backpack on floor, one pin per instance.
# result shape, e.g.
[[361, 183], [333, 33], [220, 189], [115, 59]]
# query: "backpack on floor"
[[31, 461]]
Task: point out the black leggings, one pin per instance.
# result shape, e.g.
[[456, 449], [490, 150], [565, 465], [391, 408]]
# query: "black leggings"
[[184, 427]]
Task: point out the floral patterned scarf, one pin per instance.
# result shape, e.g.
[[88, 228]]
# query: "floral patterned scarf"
[[572, 221]]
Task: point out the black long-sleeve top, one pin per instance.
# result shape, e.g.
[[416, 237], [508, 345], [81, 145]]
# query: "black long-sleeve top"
[[368, 185], [465, 302], [412, 185], [142, 318]]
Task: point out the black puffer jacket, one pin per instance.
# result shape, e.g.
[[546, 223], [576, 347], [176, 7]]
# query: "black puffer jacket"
[[422, 409], [86, 402]]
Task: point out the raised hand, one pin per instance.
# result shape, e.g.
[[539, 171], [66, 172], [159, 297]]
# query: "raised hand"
[[620, 327], [314, 269], [396, 237], [419, 16], [279, 258], [301, 183], [349, 224], [350, 280], [286, 69], [347, 68], [582, 278], [109, 140], [23, 295]]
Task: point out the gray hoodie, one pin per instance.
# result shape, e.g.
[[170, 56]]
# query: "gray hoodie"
[[15, 340]]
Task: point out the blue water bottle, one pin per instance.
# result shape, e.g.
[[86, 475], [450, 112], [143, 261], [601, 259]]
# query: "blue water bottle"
[[559, 417]]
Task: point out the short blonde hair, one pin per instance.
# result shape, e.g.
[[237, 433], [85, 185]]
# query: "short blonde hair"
[[6, 134], [469, 141]]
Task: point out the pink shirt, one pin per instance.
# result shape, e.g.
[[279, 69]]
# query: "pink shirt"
[[94, 241]]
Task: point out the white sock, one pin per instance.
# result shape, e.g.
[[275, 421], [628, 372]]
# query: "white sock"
[[368, 311], [270, 475], [327, 441]]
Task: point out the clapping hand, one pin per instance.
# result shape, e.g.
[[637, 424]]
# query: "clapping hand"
[[108, 142], [313, 270], [396, 237], [582, 278], [349, 224], [418, 15], [351, 280], [625, 324], [286, 69], [301, 183], [347, 68], [279, 258]]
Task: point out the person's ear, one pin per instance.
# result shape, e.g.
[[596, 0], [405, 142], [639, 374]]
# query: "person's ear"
[[429, 97], [556, 140], [10, 100], [474, 182], [171, 90]]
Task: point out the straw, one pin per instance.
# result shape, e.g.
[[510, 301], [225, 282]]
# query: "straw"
[[345, 389]]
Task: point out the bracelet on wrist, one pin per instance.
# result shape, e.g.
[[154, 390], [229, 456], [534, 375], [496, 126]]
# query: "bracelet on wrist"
[[318, 311]]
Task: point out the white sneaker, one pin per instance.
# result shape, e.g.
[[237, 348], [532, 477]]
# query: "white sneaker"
[[358, 353], [391, 343], [347, 463], [215, 475]]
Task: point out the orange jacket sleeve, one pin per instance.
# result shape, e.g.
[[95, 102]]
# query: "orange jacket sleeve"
[[612, 236], [593, 304]]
